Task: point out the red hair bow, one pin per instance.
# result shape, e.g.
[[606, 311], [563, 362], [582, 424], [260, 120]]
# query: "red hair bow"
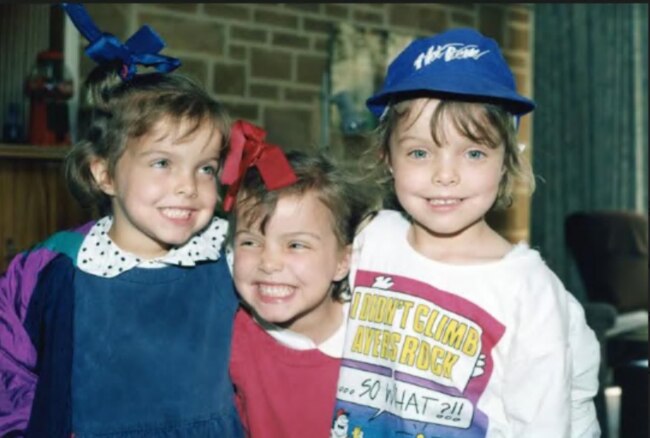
[[247, 149]]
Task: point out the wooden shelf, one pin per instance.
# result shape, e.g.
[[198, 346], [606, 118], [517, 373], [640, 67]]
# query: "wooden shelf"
[[32, 152]]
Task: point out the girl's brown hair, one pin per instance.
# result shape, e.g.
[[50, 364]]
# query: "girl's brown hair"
[[347, 202], [122, 111], [482, 123]]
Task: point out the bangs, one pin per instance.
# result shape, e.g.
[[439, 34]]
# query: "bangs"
[[482, 124]]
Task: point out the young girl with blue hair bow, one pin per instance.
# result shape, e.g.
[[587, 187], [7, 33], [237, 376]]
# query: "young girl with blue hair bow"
[[123, 326]]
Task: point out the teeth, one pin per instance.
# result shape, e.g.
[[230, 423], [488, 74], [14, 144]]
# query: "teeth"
[[444, 201], [275, 291], [176, 213]]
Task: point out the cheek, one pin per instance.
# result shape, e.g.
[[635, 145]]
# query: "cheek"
[[210, 193], [410, 177], [242, 264], [149, 191], [139, 184], [244, 268], [497, 176], [324, 268]]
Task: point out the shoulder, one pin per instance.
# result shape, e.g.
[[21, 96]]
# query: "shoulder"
[[67, 242], [57, 275], [52, 292], [384, 221], [213, 237], [541, 295], [246, 338], [526, 264], [390, 218], [19, 280]]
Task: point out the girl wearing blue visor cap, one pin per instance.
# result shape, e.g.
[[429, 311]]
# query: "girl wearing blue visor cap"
[[452, 330]]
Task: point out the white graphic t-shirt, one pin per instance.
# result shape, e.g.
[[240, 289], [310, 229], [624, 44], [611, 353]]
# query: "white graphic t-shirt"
[[498, 349]]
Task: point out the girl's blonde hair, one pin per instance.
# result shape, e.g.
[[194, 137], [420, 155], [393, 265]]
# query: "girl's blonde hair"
[[122, 111], [482, 123]]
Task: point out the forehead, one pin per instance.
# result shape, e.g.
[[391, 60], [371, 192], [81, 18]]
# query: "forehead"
[[291, 213], [170, 132]]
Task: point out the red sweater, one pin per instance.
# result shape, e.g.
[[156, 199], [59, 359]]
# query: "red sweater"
[[281, 392]]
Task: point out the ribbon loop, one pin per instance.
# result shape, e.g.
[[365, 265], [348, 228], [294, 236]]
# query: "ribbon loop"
[[141, 48], [248, 149]]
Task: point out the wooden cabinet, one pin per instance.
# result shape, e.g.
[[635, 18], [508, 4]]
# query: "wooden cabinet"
[[34, 198]]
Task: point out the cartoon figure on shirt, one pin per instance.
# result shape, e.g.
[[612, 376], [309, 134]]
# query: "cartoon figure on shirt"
[[341, 424]]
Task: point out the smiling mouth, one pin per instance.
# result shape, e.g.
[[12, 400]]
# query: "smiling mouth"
[[444, 201], [275, 290], [176, 213]]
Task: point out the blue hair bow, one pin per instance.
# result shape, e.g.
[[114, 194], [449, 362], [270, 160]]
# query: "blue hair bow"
[[141, 48]]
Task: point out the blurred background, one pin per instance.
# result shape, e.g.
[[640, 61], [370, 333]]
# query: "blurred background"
[[303, 71]]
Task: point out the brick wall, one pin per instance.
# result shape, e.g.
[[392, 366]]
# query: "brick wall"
[[265, 61]]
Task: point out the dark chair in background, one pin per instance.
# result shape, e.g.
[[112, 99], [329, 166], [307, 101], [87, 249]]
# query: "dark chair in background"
[[611, 253]]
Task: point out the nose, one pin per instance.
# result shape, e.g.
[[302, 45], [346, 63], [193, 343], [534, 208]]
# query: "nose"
[[445, 173], [270, 261], [186, 185]]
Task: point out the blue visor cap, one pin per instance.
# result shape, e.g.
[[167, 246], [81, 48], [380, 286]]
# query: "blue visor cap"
[[459, 64]]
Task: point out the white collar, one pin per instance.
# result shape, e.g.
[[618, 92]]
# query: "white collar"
[[332, 346], [100, 256]]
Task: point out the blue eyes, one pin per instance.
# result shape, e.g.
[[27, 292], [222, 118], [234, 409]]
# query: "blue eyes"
[[165, 163], [209, 170], [418, 154], [476, 154]]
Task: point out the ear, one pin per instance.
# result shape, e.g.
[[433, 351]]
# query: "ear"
[[343, 266], [386, 159], [99, 169]]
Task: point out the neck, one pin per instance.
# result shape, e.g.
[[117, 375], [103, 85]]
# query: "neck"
[[319, 326], [144, 248], [474, 244]]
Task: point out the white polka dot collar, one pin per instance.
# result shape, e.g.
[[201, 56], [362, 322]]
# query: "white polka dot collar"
[[100, 256]]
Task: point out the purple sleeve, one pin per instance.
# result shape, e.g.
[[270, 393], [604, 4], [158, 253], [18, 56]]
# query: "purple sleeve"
[[17, 354]]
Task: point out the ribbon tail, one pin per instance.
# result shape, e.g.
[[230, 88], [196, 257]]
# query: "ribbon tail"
[[231, 195], [82, 21], [275, 170], [145, 40], [230, 171]]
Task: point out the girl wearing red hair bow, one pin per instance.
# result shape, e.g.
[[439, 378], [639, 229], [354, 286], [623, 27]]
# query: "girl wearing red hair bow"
[[291, 249]]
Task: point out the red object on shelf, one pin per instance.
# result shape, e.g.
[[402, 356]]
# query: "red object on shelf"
[[49, 87]]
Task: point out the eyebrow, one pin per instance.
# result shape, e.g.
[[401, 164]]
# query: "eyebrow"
[[154, 152], [303, 233], [173, 153], [412, 137], [285, 235]]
